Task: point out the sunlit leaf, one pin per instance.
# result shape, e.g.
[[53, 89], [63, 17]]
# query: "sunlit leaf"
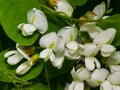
[[112, 22], [13, 13], [7, 72]]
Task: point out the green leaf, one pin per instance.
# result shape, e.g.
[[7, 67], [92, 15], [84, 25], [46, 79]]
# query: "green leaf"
[[7, 72], [54, 72], [77, 2], [36, 86], [14, 12], [112, 22]]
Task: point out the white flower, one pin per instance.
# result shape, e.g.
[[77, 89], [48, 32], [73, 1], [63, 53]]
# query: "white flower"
[[106, 85], [91, 62], [107, 50], [73, 50], [75, 85], [114, 59], [97, 77], [36, 21], [27, 29], [64, 7], [114, 68], [69, 33], [105, 38], [114, 78], [90, 49], [24, 67], [91, 28], [15, 56], [99, 10], [54, 45], [81, 74]]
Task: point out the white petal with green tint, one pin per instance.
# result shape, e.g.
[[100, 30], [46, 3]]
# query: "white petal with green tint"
[[114, 68], [14, 59], [89, 63], [105, 37], [48, 40], [116, 87], [24, 68], [114, 59], [72, 46], [76, 86], [91, 28], [90, 49], [81, 74], [114, 78], [107, 50], [58, 61], [69, 33], [38, 19], [45, 54], [100, 74], [27, 29], [106, 86], [99, 10], [60, 45], [64, 7], [21, 51], [9, 53]]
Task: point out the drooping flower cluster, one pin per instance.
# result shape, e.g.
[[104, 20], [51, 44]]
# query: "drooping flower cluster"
[[67, 45]]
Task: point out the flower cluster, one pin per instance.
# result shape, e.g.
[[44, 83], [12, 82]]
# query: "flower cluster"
[[68, 44]]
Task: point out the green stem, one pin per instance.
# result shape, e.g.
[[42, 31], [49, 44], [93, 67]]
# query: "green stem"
[[13, 78], [60, 14], [47, 77]]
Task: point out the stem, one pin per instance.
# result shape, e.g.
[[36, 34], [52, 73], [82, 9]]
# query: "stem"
[[46, 72], [13, 78], [61, 14]]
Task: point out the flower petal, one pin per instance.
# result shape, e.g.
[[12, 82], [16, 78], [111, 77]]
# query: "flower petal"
[[45, 54], [38, 19], [81, 74], [75, 86], [116, 87], [89, 63], [114, 78], [24, 67], [92, 83], [14, 59], [69, 33], [100, 74], [107, 50], [104, 37], [60, 45], [99, 10], [27, 29], [21, 51], [72, 46], [9, 53], [58, 61], [91, 28], [106, 86], [90, 49], [48, 40], [65, 7], [114, 68], [114, 59]]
